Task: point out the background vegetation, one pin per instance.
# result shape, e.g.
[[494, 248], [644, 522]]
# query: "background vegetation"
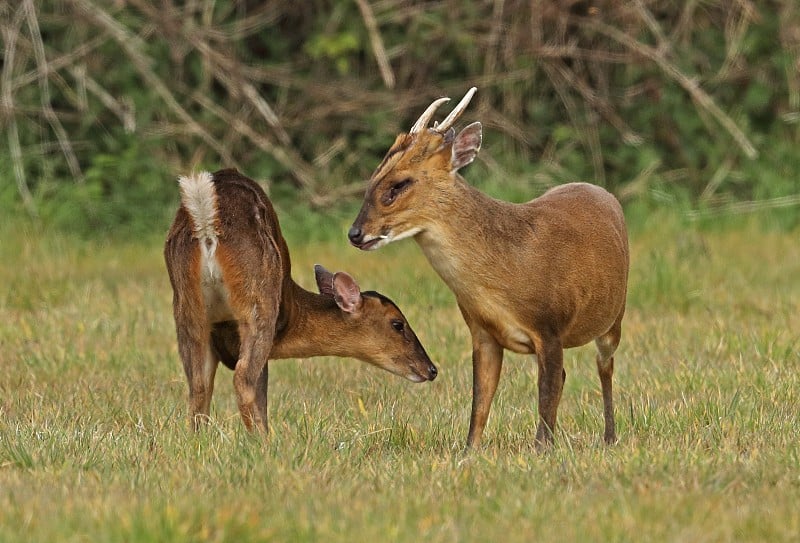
[[104, 103]]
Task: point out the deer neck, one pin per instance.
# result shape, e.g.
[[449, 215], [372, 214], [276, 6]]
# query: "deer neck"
[[313, 326], [457, 245]]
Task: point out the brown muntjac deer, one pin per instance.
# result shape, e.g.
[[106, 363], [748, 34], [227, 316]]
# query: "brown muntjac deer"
[[533, 278], [234, 300]]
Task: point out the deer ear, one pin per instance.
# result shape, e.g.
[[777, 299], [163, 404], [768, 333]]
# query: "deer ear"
[[466, 146], [346, 293], [324, 280]]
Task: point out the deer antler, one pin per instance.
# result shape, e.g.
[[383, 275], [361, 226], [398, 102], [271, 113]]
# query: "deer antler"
[[425, 118], [456, 113]]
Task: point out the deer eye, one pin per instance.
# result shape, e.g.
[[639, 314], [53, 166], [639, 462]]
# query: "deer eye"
[[398, 325], [396, 189]]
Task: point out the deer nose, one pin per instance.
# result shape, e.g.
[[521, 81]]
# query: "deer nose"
[[433, 371], [355, 234]]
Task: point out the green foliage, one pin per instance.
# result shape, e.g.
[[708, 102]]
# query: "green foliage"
[[291, 94], [334, 48], [123, 190]]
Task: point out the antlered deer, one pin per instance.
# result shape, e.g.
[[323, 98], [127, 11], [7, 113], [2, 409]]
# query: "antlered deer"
[[533, 278], [234, 300]]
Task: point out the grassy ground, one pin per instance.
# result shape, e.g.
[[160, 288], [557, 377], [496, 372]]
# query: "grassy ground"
[[95, 446]]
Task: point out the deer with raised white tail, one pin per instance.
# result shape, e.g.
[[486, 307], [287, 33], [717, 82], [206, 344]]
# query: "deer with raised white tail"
[[234, 300], [534, 278]]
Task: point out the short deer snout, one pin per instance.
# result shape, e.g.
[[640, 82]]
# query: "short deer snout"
[[433, 371], [355, 235]]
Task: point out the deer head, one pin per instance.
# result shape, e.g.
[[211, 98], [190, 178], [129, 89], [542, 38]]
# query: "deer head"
[[402, 193]]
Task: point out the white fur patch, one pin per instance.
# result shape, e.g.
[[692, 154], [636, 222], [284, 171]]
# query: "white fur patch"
[[382, 240], [215, 291], [200, 200], [390, 237], [407, 234]]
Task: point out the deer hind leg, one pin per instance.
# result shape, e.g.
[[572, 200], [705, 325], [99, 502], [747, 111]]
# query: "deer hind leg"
[[258, 318], [200, 366], [606, 346], [487, 361], [251, 373], [550, 357]]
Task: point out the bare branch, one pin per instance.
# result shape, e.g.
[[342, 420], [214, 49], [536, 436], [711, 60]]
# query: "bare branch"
[[283, 156], [123, 111], [598, 103], [377, 43], [588, 136], [739, 208], [58, 63], [689, 84], [131, 45], [49, 114], [10, 33]]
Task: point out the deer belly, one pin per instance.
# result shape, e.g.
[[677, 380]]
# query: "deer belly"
[[516, 339], [507, 332], [215, 292]]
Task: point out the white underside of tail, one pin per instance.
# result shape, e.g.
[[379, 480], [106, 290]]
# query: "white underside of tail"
[[200, 200]]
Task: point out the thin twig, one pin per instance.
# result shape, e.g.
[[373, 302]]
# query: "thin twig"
[[653, 25], [586, 131], [377, 43], [49, 114], [122, 110], [602, 106], [282, 155], [737, 28], [738, 208], [266, 111], [719, 176], [131, 46], [490, 60], [57, 63], [10, 33], [638, 185], [689, 84], [226, 69]]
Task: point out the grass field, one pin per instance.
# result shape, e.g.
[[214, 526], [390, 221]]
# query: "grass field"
[[95, 443]]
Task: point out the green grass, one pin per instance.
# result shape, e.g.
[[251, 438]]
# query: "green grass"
[[95, 443]]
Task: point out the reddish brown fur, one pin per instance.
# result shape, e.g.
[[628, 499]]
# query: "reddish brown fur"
[[267, 315], [533, 278]]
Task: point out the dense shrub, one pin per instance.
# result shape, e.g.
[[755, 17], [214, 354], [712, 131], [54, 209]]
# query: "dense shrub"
[[104, 103]]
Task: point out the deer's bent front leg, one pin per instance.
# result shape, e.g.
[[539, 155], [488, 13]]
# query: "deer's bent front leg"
[[487, 361]]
